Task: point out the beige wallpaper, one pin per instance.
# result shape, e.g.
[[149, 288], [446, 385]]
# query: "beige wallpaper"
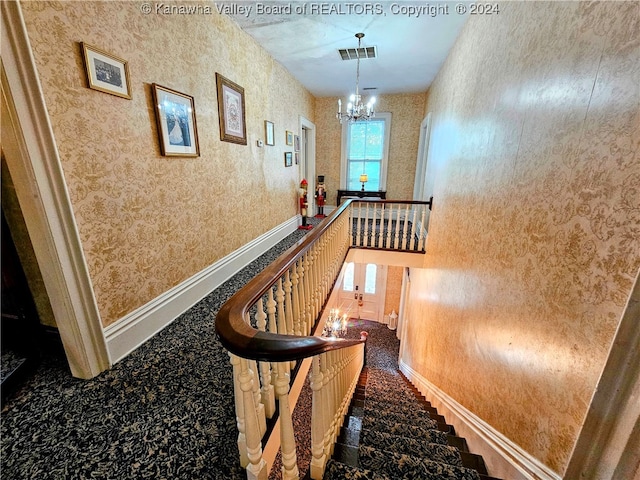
[[533, 242], [149, 222], [407, 114], [393, 290]]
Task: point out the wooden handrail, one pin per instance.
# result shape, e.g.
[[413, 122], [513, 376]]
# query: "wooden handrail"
[[241, 339]]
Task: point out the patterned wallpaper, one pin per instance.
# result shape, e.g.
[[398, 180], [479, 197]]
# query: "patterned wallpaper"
[[533, 245], [407, 114], [393, 290], [149, 222]]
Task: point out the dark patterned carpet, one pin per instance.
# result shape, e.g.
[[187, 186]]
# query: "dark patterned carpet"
[[164, 412]]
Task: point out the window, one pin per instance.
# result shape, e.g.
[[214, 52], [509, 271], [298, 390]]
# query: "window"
[[347, 283], [370, 278], [365, 148]]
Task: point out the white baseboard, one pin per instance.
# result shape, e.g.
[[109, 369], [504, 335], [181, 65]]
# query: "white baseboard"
[[131, 331], [504, 459]]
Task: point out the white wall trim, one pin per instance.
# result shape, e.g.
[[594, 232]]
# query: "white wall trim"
[[34, 163], [132, 330], [504, 458]]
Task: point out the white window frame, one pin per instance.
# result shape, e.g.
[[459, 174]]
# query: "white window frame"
[[386, 116]]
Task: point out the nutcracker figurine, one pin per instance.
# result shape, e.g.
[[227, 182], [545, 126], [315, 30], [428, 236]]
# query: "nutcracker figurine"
[[321, 196], [304, 204]]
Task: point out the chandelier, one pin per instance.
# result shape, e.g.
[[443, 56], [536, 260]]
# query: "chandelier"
[[335, 325], [356, 109]]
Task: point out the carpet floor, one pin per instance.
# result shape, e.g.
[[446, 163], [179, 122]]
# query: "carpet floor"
[[166, 411]]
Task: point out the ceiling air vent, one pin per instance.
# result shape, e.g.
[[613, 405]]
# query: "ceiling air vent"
[[353, 53]]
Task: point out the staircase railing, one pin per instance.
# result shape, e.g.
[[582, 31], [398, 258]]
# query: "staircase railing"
[[272, 324]]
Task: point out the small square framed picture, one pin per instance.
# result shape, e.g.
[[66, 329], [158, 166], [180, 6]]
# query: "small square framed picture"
[[105, 72], [289, 137], [176, 119], [288, 159], [268, 133]]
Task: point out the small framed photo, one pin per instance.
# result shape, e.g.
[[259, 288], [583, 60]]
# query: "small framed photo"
[[105, 72], [296, 143], [231, 111], [288, 159], [268, 133], [297, 158], [289, 137], [176, 119]]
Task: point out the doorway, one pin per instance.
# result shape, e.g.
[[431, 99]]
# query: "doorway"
[[363, 291], [21, 332], [307, 165]]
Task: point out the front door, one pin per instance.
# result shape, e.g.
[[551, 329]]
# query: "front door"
[[363, 291]]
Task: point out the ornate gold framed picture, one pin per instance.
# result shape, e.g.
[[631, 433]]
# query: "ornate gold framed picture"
[[231, 111], [105, 72]]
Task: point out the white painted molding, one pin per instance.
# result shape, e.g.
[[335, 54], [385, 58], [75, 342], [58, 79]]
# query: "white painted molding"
[[504, 458], [34, 163], [132, 330]]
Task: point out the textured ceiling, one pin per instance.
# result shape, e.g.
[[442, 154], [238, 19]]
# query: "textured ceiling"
[[410, 49]]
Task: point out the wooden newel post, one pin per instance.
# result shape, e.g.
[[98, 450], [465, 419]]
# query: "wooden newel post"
[[364, 336]]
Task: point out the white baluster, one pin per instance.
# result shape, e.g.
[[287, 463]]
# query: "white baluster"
[[257, 467], [273, 327], [367, 227], [381, 232], [423, 229], [358, 224], [404, 229], [242, 439], [266, 392], [413, 228], [257, 397], [396, 244], [389, 226], [287, 437], [318, 414]]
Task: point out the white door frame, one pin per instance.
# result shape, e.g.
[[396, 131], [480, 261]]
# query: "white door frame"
[[307, 165], [33, 161], [420, 183]]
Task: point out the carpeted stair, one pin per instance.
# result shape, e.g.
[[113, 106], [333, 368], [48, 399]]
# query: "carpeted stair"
[[391, 433]]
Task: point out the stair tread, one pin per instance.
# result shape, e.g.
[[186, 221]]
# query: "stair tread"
[[405, 429], [399, 465], [339, 471], [411, 446]]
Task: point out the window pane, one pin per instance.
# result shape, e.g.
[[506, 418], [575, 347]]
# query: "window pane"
[[372, 168], [370, 278], [366, 140], [347, 282]]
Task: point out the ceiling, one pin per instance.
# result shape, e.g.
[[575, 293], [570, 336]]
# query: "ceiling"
[[410, 49]]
